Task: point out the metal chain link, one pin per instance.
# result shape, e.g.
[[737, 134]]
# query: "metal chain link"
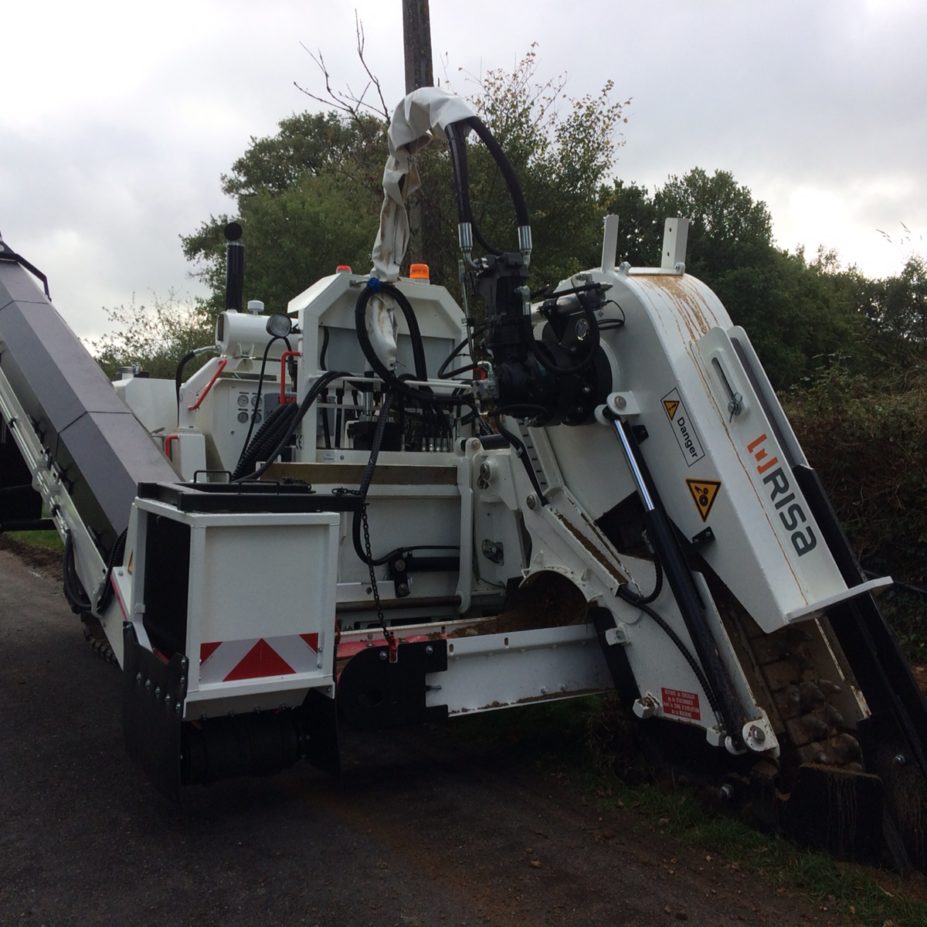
[[388, 635]]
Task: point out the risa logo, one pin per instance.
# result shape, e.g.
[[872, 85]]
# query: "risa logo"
[[783, 497]]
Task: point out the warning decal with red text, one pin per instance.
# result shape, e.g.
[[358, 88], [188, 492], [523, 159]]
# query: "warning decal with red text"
[[681, 704]]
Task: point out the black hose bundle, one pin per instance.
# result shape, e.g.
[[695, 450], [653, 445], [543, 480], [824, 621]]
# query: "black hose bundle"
[[285, 434], [275, 426], [363, 551], [255, 409], [116, 555], [74, 590], [360, 534], [377, 287], [456, 138], [394, 382]]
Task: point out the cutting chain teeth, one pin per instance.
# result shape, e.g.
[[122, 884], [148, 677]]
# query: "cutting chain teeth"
[[796, 675], [817, 713], [96, 638]]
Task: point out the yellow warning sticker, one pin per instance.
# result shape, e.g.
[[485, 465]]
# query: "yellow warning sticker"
[[704, 492], [683, 428]]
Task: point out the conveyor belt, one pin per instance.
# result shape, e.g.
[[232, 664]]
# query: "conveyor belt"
[[102, 451]]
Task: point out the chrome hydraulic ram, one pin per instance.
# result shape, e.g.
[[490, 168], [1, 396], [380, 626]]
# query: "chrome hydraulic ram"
[[666, 547]]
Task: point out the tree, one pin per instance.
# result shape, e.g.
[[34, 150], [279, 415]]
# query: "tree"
[[896, 311], [308, 199], [640, 228], [152, 337], [309, 196], [729, 228], [562, 148], [799, 316]]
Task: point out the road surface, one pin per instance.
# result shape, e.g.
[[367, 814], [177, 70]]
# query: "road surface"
[[424, 828]]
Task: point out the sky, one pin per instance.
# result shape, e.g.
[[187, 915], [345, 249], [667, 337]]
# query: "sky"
[[118, 118]]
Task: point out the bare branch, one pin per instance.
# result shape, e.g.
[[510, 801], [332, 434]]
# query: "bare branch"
[[333, 97], [359, 28], [349, 102]]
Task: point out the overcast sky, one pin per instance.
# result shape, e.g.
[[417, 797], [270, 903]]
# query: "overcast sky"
[[117, 118]]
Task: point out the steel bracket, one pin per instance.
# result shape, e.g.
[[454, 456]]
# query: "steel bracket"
[[375, 692]]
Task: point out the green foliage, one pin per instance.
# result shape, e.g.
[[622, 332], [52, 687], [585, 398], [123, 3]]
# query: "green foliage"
[[574, 742], [797, 314], [562, 149], [152, 337], [728, 229], [46, 540], [309, 196], [308, 199], [313, 144], [867, 440], [896, 310]]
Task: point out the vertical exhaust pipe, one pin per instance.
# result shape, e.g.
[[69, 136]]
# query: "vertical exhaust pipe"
[[234, 268]]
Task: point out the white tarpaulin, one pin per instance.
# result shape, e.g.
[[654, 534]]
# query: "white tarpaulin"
[[417, 115]]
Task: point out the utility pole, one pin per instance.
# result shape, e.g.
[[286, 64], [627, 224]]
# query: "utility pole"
[[416, 40], [416, 35]]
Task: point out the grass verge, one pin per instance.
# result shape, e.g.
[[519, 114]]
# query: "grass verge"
[[566, 738], [45, 540]]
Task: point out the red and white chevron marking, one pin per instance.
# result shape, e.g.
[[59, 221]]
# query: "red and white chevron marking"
[[257, 658]]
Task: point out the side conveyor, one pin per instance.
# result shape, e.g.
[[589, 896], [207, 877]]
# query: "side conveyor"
[[98, 446]]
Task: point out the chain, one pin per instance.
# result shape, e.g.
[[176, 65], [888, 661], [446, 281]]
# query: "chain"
[[388, 635]]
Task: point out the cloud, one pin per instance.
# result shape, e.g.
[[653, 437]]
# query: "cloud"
[[125, 115]]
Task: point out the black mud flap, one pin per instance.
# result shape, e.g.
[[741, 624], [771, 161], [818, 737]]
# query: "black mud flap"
[[320, 714], [153, 694], [174, 753], [374, 693]]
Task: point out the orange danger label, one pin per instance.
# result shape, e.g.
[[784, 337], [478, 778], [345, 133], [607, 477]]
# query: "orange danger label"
[[671, 405], [681, 704], [704, 492]]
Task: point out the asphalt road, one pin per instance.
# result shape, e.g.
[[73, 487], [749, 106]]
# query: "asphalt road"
[[424, 828]]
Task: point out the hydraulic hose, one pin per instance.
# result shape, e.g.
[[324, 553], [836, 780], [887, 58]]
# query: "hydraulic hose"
[[689, 657], [266, 439], [362, 546], [456, 136], [666, 547], [395, 383], [115, 556], [360, 323], [508, 173], [257, 404], [367, 478], [74, 590], [314, 392]]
